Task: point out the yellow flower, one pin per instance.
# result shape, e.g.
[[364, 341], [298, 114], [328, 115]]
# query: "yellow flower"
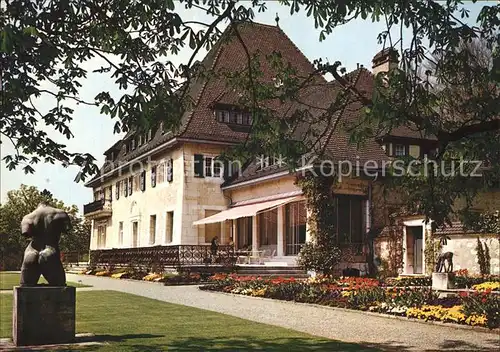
[[493, 286]]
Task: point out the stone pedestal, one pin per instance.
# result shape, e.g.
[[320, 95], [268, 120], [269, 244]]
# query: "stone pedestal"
[[442, 281], [43, 315]]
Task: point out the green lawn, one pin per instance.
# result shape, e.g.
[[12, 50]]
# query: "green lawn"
[[133, 323], [9, 280]]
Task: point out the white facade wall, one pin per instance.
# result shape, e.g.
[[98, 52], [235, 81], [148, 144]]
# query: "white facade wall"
[[187, 196]]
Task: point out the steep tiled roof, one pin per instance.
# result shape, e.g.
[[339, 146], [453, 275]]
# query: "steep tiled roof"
[[334, 144], [227, 55]]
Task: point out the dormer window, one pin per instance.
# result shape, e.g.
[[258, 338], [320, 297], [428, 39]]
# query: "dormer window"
[[222, 115], [132, 144], [399, 150], [234, 117]]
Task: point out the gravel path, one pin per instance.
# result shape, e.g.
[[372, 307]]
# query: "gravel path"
[[347, 326]]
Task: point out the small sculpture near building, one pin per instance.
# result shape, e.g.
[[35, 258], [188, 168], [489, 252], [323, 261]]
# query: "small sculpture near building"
[[440, 264]]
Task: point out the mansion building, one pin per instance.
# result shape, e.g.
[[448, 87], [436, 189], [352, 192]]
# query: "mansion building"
[[165, 188]]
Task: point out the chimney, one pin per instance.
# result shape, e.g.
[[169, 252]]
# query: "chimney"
[[385, 61]]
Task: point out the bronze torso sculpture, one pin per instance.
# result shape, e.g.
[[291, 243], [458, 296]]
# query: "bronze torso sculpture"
[[42, 257]]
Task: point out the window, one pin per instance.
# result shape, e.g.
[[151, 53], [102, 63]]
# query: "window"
[[150, 134], [244, 233], [247, 118], [140, 140], [213, 167], [208, 167], [295, 220], [120, 233], [153, 176], [399, 150], [160, 171], [212, 230], [142, 180], [125, 188], [170, 170], [117, 190], [132, 144], [222, 115], [350, 221], [101, 236], [136, 183], [268, 227], [234, 117], [135, 234], [152, 229], [98, 195], [130, 181], [169, 227]]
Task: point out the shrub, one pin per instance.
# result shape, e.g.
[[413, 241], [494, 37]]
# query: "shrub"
[[319, 258], [481, 258]]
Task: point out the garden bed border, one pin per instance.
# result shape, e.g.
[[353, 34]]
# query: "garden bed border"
[[383, 315]]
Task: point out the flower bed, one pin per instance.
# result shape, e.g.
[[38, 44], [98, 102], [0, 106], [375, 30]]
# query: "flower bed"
[[166, 278], [478, 309], [462, 279]]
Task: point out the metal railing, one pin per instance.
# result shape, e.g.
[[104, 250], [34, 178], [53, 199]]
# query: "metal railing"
[[163, 256]]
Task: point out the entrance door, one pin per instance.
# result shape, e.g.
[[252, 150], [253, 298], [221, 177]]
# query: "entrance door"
[[414, 242], [135, 234]]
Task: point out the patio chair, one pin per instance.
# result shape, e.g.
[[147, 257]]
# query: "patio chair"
[[259, 256], [273, 253]]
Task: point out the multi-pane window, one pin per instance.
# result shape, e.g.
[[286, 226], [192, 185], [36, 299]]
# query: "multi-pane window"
[[213, 167], [117, 186], [350, 221], [234, 117], [268, 227], [130, 185], [169, 227], [399, 150], [152, 229], [153, 176], [120, 233], [295, 220]]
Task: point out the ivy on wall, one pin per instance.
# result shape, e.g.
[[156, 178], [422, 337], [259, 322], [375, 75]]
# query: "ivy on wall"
[[321, 253], [433, 248]]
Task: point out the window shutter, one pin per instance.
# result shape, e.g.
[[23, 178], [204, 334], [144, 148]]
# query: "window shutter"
[[143, 180], [125, 188], [225, 171], [198, 165], [170, 170], [153, 176]]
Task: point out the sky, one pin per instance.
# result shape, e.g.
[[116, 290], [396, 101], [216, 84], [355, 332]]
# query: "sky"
[[352, 43]]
